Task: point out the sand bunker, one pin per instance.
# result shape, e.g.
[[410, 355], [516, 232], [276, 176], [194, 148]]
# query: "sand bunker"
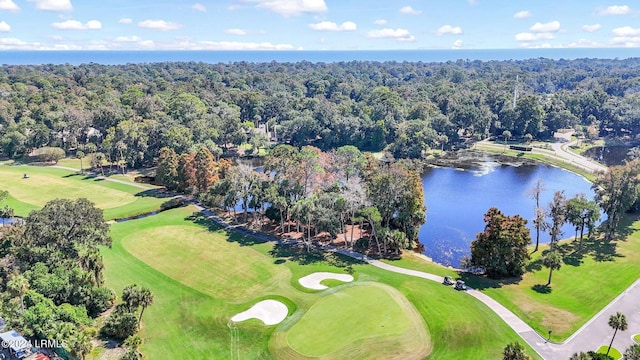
[[270, 312], [312, 281]]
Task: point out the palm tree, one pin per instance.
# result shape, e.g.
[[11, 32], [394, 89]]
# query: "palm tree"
[[540, 223], [19, 286], [617, 322], [145, 299], [81, 344], [514, 351], [131, 297], [80, 155], [553, 261], [632, 353]]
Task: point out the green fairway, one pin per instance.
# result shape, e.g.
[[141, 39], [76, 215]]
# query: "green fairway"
[[388, 327], [202, 260], [47, 183], [196, 292]]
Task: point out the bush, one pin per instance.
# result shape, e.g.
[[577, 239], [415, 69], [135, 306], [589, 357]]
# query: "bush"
[[48, 154], [120, 324], [100, 300]]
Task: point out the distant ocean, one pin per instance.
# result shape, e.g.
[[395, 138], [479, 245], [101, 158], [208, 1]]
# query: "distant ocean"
[[124, 57]]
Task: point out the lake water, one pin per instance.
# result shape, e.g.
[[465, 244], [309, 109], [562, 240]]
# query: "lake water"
[[458, 199]]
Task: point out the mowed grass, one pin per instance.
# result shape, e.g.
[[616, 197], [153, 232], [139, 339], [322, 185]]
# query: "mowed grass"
[[570, 300], [190, 320], [384, 322], [613, 352], [47, 183]]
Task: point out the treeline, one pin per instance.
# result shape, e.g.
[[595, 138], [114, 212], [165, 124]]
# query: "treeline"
[[311, 191], [130, 112]]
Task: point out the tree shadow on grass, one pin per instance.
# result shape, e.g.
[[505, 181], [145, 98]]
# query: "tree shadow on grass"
[[479, 282], [238, 234], [532, 266], [297, 252], [542, 289]]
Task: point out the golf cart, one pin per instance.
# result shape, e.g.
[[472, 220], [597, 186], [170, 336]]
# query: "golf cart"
[[448, 280], [460, 285]]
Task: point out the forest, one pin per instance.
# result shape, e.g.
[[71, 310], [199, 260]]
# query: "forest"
[[127, 113]]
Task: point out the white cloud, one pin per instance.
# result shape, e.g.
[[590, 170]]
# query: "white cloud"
[[397, 34], [53, 5], [522, 14], [236, 31], [125, 21], [529, 37], [448, 29], [199, 7], [4, 27], [380, 22], [331, 26], [160, 25], [626, 31], [625, 41], [549, 27], [458, 44], [291, 7], [77, 25], [584, 43], [128, 39], [616, 10], [473, 2], [591, 28], [8, 5], [409, 10]]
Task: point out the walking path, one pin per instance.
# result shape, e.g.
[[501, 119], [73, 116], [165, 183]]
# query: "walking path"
[[590, 336]]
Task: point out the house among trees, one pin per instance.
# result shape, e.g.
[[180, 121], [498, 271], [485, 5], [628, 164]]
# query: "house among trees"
[[17, 345]]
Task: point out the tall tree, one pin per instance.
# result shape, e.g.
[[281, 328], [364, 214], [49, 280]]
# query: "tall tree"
[[204, 168], [553, 261], [501, 249], [539, 221], [18, 285], [582, 212], [167, 169], [80, 155], [617, 322], [616, 191], [558, 214], [145, 299]]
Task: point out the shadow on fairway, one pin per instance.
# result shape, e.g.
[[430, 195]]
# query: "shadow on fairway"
[[482, 282], [542, 289]]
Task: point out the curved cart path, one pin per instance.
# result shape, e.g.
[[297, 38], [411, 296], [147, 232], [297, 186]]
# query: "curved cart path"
[[590, 336]]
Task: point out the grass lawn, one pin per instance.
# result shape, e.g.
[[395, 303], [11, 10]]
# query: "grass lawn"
[[389, 327], [569, 301], [197, 292], [636, 338], [614, 353], [47, 183]]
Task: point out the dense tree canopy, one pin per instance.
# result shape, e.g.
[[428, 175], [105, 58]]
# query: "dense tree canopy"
[[132, 111]]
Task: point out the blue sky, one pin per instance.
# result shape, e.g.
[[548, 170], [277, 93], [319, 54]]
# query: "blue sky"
[[316, 24]]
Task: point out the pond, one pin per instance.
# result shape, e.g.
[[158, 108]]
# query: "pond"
[[458, 199]]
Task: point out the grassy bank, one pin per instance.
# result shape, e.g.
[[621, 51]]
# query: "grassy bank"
[[201, 276]]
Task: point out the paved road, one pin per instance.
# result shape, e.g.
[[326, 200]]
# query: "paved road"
[[559, 151]]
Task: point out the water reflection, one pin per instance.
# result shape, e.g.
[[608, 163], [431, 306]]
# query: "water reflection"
[[457, 200]]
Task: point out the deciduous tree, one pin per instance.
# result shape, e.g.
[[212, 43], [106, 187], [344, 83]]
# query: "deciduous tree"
[[501, 249]]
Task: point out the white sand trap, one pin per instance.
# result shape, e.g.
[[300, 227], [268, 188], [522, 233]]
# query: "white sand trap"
[[271, 312], [312, 281]]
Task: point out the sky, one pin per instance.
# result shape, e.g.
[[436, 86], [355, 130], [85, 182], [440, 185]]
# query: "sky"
[[316, 24]]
